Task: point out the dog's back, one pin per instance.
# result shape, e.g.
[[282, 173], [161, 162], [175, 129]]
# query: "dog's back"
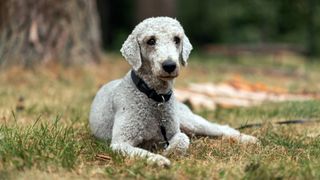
[[101, 114]]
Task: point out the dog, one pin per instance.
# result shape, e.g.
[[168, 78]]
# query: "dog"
[[139, 112]]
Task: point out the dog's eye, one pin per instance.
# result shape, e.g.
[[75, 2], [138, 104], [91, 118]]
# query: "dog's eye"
[[151, 41], [176, 39]]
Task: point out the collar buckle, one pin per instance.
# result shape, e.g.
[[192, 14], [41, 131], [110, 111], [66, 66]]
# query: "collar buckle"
[[160, 104]]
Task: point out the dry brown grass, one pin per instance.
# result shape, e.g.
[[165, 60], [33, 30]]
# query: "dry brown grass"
[[52, 102]]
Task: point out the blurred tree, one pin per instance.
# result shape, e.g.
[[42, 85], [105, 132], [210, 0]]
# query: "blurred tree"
[[117, 20], [312, 37], [152, 8], [33, 31], [292, 22]]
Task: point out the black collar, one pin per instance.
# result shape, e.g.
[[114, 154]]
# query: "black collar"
[[151, 93]]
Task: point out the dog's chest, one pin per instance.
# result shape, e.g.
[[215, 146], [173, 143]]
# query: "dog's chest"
[[159, 126], [157, 116], [144, 116], [149, 116]]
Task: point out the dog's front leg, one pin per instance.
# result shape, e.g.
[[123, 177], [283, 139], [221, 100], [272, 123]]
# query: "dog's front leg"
[[179, 143], [125, 138], [132, 151]]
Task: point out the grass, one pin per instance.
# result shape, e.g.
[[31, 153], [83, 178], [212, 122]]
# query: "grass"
[[44, 130]]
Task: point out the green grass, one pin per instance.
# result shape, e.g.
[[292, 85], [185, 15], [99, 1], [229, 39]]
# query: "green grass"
[[46, 135]]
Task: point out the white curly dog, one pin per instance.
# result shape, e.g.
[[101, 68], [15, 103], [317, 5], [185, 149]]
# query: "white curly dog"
[[139, 112]]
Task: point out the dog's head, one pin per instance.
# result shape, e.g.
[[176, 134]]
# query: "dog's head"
[[158, 44]]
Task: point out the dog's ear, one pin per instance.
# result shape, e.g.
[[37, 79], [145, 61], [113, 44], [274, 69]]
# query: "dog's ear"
[[131, 52], [186, 49]]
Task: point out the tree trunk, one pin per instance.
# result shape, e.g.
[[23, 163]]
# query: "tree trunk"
[[33, 32]]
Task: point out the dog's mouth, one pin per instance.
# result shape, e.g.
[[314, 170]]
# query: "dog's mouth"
[[169, 77]]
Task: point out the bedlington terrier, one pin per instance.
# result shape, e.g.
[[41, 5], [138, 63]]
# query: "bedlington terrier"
[[139, 112]]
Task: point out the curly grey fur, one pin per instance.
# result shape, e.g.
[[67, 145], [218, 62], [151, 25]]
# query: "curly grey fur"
[[127, 117]]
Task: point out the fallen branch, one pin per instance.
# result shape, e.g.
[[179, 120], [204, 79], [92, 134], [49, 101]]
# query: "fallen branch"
[[209, 96]]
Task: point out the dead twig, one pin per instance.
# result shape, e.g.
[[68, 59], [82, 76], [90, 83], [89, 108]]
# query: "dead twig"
[[103, 157]]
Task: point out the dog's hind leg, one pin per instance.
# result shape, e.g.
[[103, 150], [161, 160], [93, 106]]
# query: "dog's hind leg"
[[193, 124]]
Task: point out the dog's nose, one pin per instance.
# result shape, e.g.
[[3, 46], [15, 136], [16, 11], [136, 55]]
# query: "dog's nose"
[[169, 66]]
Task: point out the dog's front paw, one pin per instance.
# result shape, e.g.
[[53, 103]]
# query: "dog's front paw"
[[178, 145], [159, 160], [243, 138]]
